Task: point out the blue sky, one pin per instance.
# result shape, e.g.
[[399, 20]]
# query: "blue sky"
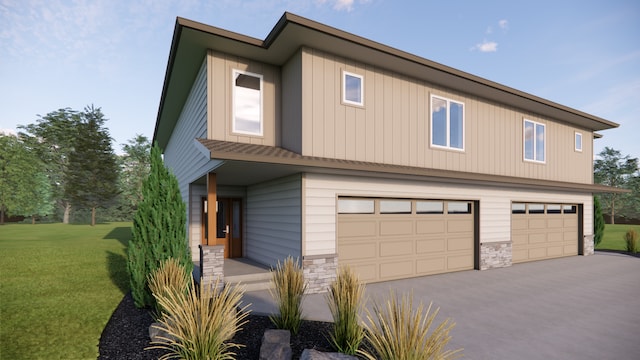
[[113, 54]]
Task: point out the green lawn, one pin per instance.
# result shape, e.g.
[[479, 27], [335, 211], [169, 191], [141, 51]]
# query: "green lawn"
[[613, 237], [59, 285]]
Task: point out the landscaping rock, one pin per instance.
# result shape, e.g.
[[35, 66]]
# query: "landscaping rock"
[[310, 354], [276, 345], [157, 331]]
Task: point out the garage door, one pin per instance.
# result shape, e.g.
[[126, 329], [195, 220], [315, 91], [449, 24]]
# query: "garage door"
[[543, 231], [387, 239]]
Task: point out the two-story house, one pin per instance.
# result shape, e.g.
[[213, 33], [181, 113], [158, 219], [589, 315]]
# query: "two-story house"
[[335, 149]]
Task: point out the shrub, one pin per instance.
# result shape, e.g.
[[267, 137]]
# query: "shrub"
[[288, 279], [170, 276], [159, 230], [200, 323], [345, 300], [631, 238], [397, 332], [598, 222]]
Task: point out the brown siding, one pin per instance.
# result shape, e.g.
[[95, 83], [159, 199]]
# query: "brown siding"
[[220, 67], [393, 126]]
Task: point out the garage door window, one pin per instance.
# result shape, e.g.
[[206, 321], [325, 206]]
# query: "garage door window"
[[429, 207], [458, 207], [569, 209], [395, 207], [518, 208], [355, 206], [536, 208], [554, 209]]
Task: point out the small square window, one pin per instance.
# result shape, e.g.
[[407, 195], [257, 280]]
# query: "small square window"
[[578, 142], [352, 89]]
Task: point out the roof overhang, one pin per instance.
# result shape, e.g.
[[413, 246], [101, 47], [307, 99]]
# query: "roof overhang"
[[247, 164], [192, 39]]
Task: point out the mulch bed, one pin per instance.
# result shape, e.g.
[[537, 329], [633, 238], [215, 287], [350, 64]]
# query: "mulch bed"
[[127, 335]]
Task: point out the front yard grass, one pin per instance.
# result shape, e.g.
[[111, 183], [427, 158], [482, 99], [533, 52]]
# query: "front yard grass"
[[613, 238], [59, 285]]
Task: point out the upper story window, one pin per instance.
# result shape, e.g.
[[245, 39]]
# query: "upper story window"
[[352, 89], [447, 123], [534, 141], [578, 142], [247, 103]]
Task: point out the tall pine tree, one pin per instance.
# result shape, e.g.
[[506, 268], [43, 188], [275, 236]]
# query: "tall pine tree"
[[92, 173], [159, 229], [598, 222]]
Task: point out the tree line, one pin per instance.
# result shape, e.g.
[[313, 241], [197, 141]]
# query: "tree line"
[[611, 168], [64, 164]]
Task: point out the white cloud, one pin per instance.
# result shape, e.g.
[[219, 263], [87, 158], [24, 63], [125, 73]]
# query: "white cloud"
[[8, 132], [504, 24], [486, 46], [340, 5]]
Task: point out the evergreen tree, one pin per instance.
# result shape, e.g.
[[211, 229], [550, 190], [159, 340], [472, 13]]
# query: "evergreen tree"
[[159, 229], [92, 172], [598, 222]]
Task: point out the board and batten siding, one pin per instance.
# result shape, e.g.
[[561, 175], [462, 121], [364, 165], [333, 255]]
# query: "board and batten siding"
[[220, 85], [322, 190], [274, 220], [393, 125]]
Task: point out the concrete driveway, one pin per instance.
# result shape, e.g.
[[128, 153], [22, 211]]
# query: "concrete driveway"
[[570, 308]]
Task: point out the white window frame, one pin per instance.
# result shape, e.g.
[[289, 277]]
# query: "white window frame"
[[344, 89], [448, 124], [535, 143], [575, 140], [234, 74]]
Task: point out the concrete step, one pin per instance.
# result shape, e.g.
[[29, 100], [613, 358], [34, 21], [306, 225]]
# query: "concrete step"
[[251, 282]]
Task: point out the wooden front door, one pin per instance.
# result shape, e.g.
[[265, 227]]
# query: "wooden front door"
[[228, 231]]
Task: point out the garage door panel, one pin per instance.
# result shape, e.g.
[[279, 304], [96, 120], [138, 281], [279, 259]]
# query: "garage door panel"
[[456, 226], [555, 236], [430, 226], [519, 223], [430, 246], [396, 269], [570, 250], [571, 222], [457, 243], [537, 238], [431, 266], [570, 235], [358, 251], [518, 239], [396, 228], [555, 251], [396, 248], [366, 272], [555, 223], [519, 255], [357, 228], [460, 262], [538, 253], [538, 223]]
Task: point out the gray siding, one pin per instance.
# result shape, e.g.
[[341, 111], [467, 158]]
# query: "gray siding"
[[394, 126], [274, 220], [292, 112]]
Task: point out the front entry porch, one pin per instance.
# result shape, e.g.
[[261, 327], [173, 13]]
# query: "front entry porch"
[[239, 271]]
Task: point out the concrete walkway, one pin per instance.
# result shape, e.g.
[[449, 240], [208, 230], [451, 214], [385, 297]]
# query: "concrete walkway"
[[570, 308]]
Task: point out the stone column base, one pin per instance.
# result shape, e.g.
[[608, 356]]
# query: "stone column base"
[[587, 245], [212, 264], [319, 272], [495, 255]]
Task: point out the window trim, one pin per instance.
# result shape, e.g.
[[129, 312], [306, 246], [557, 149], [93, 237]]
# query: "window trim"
[[345, 101], [575, 141], [524, 141], [448, 124], [234, 74]]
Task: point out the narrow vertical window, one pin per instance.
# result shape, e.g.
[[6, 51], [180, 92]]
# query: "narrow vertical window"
[[534, 141], [247, 103], [578, 142], [447, 123], [352, 89]]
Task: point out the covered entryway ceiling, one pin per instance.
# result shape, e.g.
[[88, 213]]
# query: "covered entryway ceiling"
[[543, 231], [388, 239]]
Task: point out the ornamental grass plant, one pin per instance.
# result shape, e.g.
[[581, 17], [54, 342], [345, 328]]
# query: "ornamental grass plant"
[[345, 298], [288, 279], [169, 276], [395, 331], [631, 240], [200, 323]]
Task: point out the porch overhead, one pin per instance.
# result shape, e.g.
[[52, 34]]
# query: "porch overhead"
[[246, 164]]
